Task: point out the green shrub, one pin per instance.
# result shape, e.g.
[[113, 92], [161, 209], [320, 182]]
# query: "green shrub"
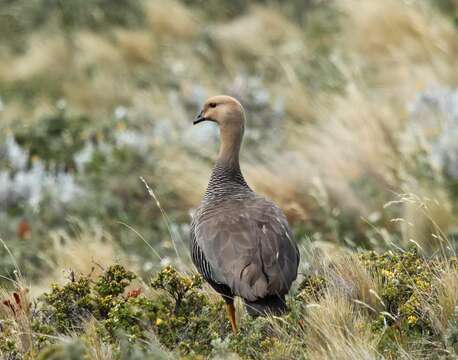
[[8, 349], [406, 279], [185, 318], [181, 316], [68, 306], [449, 8], [19, 17], [114, 281], [68, 132]]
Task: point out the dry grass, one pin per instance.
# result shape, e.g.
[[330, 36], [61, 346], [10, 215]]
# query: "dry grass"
[[426, 217], [15, 308], [96, 50], [354, 141], [246, 37], [138, 47], [336, 327], [392, 48], [284, 181], [443, 310], [97, 348], [108, 89], [337, 320], [346, 276], [88, 250], [50, 56], [171, 20], [400, 43]]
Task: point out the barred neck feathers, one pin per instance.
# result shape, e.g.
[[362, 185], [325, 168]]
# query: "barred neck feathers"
[[226, 181]]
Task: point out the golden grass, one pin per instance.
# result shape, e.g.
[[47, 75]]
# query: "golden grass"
[[443, 309], [427, 216], [103, 88], [246, 37], [95, 50], [50, 56], [336, 321], [171, 20], [299, 107], [137, 47], [15, 308], [346, 276], [336, 327], [282, 178], [353, 141], [401, 43], [88, 250]]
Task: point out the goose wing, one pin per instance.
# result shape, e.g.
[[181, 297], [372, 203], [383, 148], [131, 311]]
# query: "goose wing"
[[248, 247]]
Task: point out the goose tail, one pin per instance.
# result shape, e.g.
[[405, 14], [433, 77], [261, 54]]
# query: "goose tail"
[[270, 305]]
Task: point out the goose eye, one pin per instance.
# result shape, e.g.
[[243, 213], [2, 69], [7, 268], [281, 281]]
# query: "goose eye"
[[212, 105]]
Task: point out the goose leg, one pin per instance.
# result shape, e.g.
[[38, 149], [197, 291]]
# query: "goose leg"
[[231, 315]]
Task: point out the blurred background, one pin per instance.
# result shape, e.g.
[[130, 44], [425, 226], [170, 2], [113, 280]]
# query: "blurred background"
[[352, 111]]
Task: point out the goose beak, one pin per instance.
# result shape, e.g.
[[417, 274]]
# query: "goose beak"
[[199, 118]]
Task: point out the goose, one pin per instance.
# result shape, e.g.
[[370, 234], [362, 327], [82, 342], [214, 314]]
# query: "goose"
[[240, 242]]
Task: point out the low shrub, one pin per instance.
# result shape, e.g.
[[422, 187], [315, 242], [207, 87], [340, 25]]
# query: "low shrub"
[[177, 313]]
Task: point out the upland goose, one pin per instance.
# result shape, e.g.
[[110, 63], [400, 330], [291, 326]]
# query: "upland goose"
[[241, 243]]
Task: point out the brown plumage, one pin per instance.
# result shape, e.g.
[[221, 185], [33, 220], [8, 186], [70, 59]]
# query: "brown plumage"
[[240, 242]]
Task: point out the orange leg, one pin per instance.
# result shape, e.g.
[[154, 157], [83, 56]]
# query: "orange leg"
[[231, 315]]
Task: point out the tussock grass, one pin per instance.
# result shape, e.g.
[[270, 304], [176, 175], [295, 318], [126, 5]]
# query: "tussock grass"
[[171, 20], [335, 327], [246, 37], [396, 43], [16, 311], [41, 56], [446, 285], [86, 250]]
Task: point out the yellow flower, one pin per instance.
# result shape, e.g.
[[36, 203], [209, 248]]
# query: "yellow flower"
[[412, 320], [159, 321], [388, 274]]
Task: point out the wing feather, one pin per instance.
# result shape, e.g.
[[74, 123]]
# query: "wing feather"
[[249, 248]]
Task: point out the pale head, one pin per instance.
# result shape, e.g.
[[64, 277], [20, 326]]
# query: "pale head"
[[228, 113], [224, 110]]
